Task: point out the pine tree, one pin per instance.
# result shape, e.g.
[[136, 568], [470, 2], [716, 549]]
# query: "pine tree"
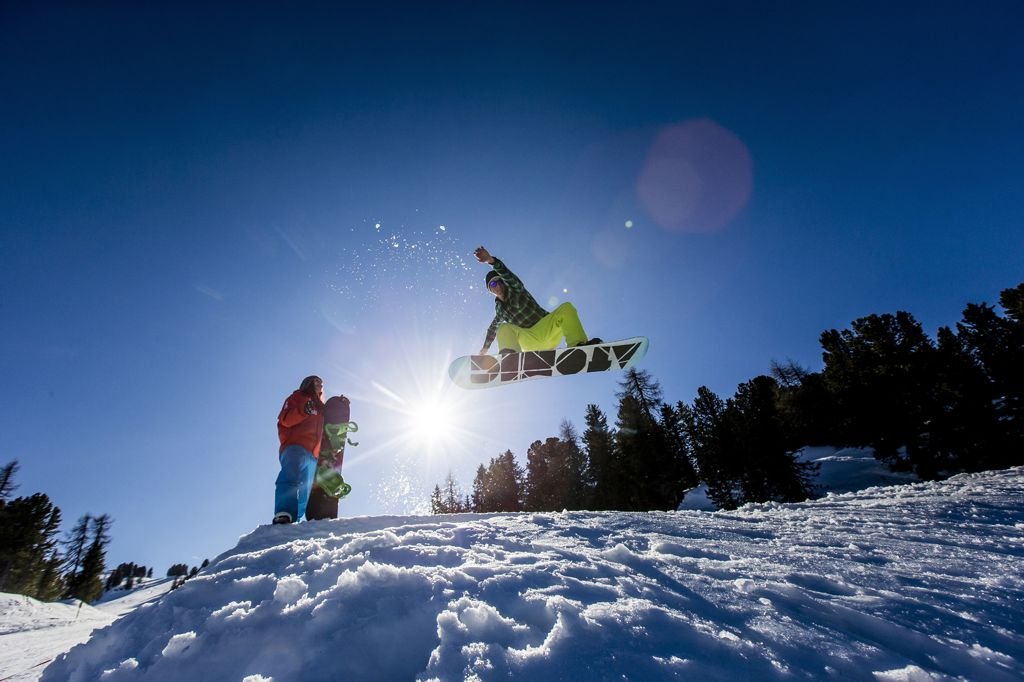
[[75, 545], [713, 445], [681, 475], [506, 490], [555, 472], [878, 372], [48, 579], [51, 582], [28, 528], [576, 468], [765, 460], [453, 496], [649, 477], [997, 345], [448, 500], [604, 475], [544, 476], [962, 427], [86, 585], [806, 406], [479, 495], [7, 485]]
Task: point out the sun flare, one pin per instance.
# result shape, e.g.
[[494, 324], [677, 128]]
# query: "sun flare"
[[431, 416]]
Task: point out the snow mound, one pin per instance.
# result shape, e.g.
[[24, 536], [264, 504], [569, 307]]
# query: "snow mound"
[[914, 582]]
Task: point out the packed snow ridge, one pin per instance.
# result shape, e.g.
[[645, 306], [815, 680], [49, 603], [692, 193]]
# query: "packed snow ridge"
[[913, 582]]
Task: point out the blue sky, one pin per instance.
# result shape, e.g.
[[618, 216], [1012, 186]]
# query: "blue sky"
[[200, 206]]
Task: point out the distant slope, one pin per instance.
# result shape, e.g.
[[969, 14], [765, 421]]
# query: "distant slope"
[[842, 470], [847, 470], [33, 633], [920, 581]]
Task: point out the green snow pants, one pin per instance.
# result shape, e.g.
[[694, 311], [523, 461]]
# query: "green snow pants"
[[546, 334]]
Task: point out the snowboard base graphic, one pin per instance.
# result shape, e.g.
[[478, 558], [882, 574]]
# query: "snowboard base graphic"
[[486, 371]]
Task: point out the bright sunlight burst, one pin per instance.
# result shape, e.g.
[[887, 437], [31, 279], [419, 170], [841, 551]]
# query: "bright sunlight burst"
[[431, 416], [427, 418]]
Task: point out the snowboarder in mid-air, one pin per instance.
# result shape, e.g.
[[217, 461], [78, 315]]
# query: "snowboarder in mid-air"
[[528, 338], [519, 323]]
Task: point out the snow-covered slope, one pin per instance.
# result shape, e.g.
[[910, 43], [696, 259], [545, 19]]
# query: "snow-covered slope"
[[915, 582], [847, 470], [840, 470], [33, 633]]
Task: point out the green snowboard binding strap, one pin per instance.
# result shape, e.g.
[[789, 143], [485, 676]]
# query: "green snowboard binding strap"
[[328, 478], [332, 483], [338, 434]]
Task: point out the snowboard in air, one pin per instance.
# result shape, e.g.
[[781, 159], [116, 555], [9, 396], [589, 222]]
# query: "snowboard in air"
[[485, 371]]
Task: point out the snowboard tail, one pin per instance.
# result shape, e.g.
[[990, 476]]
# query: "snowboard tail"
[[486, 371]]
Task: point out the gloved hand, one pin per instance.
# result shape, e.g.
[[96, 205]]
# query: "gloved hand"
[[310, 408]]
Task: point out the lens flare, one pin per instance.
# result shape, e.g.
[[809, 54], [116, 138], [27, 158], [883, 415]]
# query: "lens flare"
[[696, 178]]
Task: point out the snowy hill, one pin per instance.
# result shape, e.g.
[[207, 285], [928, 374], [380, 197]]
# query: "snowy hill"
[[914, 582]]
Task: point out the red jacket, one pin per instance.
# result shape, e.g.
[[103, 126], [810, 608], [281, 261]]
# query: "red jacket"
[[301, 422]]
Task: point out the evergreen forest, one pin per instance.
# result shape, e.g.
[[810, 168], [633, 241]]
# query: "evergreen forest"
[[34, 561]]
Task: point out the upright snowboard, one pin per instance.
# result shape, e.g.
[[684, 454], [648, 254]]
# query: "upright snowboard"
[[485, 371], [328, 471], [328, 484]]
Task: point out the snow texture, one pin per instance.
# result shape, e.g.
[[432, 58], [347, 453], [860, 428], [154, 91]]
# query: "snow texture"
[[914, 582]]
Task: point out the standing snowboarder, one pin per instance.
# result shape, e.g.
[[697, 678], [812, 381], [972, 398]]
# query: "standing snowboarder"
[[300, 427], [328, 484], [519, 322]]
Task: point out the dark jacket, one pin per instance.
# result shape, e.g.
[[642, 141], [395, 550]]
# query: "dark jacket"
[[518, 308]]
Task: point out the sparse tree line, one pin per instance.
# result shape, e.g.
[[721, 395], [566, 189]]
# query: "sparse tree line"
[[933, 406], [181, 573], [127, 575], [35, 562]]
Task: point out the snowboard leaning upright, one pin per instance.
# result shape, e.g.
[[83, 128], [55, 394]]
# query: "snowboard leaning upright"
[[485, 371]]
